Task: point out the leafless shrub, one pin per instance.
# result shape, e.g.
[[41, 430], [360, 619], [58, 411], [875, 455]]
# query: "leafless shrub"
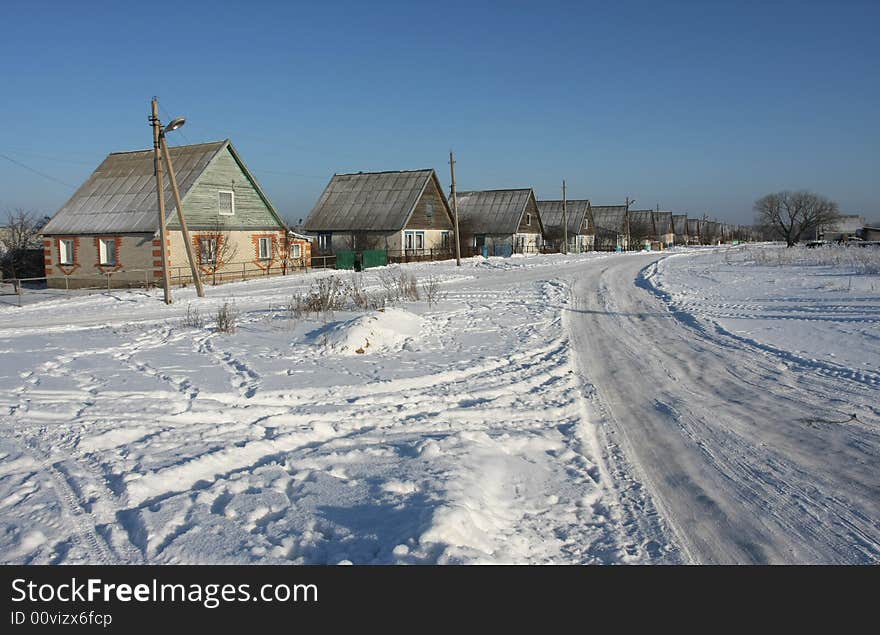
[[399, 285], [227, 318], [431, 290], [192, 318], [856, 259]]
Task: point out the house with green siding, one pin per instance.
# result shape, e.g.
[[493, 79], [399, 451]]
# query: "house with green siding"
[[111, 224]]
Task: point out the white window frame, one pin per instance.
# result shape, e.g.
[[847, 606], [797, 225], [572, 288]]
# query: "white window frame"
[[204, 241], [446, 239], [528, 220], [414, 240], [66, 247], [107, 252], [231, 203], [325, 241], [296, 251], [267, 242]]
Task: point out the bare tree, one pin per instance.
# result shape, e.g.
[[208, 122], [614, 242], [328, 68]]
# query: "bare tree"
[[216, 250], [790, 215], [19, 241]]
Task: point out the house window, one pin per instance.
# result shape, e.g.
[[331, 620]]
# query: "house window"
[[429, 212], [414, 241], [528, 220], [296, 251], [445, 239], [325, 241], [265, 248], [65, 252], [226, 203], [208, 250], [107, 251]]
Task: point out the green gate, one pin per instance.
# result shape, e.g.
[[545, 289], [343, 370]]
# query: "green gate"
[[345, 259], [374, 258]]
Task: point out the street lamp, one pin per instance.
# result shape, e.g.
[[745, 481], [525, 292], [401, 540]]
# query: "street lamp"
[[159, 142]]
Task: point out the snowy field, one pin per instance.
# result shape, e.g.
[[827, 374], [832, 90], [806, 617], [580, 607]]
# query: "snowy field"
[[511, 421]]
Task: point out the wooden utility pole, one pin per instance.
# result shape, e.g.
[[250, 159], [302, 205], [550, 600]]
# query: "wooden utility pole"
[[160, 195], [626, 221], [193, 266], [564, 221], [455, 211]]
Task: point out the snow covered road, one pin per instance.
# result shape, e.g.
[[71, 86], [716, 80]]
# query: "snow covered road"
[[752, 454], [597, 408]]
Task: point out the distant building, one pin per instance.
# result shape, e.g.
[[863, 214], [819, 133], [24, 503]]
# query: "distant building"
[[611, 227], [680, 229], [500, 222], [403, 212], [577, 216], [847, 226]]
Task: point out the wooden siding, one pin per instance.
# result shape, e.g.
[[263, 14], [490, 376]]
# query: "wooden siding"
[[439, 220], [535, 227], [201, 203]]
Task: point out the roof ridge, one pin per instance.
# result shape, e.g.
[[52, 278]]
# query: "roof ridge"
[[384, 172], [188, 145], [503, 189]]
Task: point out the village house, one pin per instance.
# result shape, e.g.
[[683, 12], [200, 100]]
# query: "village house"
[[611, 227], [680, 229], [110, 226], [500, 222], [663, 228], [403, 212], [642, 232], [694, 231], [580, 229]]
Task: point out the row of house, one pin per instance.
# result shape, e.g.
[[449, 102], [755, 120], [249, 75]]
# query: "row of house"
[[406, 214], [109, 229]]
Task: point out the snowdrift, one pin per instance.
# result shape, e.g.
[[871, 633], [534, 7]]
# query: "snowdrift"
[[386, 329]]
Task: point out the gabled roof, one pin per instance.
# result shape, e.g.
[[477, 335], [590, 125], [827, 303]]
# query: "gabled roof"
[[371, 201], [679, 224], [120, 195], [551, 216], [610, 218], [494, 211], [663, 223], [641, 223]]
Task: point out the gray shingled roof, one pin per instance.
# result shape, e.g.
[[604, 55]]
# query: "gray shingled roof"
[[120, 196], [641, 223], [663, 223], [551, 216], [369, 201], [679, 223], [610, 218], [493, 211], [693, 226]]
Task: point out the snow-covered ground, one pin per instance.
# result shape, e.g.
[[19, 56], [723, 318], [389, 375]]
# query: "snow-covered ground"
[[600, 408], [458, 434]]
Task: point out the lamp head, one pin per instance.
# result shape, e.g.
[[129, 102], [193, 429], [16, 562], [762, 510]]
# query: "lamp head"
[[174, 124]]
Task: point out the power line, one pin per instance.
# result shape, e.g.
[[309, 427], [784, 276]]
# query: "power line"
[[44, 175]]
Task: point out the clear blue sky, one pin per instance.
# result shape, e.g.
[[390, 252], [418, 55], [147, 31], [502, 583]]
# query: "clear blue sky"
[[698, 106]]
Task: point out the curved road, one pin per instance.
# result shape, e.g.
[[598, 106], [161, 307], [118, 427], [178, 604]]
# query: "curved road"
[[746, 458]]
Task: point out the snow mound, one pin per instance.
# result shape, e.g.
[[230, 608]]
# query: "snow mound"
[[378, 330]]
